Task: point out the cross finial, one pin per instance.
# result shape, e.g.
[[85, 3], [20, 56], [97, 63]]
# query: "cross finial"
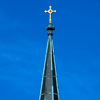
[[50, 11]]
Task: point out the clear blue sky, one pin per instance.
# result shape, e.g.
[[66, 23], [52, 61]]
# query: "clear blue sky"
[[23, 41]]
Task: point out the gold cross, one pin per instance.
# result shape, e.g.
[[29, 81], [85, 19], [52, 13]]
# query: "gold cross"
[[50, 11]]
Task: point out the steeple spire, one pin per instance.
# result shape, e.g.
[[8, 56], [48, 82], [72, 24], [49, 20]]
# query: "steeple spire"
[[49, 89]]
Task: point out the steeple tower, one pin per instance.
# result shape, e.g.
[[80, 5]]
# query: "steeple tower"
[[49, 89]]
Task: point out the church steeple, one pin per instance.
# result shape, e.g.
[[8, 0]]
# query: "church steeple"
[[49, 89]]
